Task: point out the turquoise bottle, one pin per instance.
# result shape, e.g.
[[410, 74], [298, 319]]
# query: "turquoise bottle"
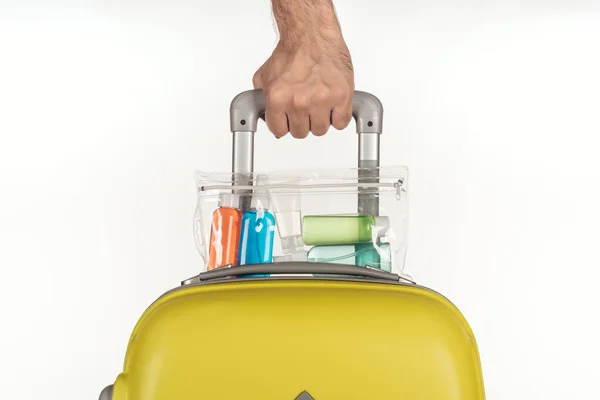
[[257, 234], [377, 255]]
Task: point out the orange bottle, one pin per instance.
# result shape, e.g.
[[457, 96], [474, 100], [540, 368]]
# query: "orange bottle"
[[225, 234]]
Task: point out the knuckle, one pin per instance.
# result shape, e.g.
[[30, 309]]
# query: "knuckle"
[[321, 96], [340, 94], [277, 97], [301, 100]]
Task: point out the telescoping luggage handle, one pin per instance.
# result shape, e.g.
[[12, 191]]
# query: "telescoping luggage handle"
[[247, 107]]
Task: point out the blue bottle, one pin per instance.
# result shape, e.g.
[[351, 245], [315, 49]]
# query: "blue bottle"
[[257, 234]]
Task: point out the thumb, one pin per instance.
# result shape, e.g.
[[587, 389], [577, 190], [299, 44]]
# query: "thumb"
[[257, 82], [257, 79]]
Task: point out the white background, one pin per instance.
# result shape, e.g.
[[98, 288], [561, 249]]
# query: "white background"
[[108, 107]]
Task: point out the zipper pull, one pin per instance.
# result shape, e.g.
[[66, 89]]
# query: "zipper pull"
[[398, 186]]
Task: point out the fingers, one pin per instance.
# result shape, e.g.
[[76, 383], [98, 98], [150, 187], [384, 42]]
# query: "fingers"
[[342, 111], [305, 111], [320, 120], [287, 113], [275, 111], [299, 124], [277, 121], [341, 117], [298, 116]]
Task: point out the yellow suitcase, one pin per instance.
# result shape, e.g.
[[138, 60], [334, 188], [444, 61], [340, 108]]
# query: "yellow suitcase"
[[308, 330]]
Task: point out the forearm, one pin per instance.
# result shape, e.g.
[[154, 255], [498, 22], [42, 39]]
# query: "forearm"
[[306, 22]]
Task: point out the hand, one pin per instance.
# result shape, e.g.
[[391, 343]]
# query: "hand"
[[308, 81]]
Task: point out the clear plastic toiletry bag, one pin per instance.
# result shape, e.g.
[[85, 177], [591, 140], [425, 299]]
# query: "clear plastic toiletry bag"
[[352, 216], [344, 216]]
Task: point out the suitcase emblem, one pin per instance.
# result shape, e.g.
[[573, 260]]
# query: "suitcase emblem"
[[304, 396]]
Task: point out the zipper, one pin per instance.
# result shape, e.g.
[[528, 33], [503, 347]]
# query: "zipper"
[[397, 185]]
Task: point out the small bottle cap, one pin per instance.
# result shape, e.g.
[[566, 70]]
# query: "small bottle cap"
[[229, 200], [260, 201]]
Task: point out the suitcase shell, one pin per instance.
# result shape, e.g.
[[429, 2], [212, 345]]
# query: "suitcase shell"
[[275, 338]]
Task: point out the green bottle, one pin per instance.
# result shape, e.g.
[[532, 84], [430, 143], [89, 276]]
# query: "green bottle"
[[318, 230]]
